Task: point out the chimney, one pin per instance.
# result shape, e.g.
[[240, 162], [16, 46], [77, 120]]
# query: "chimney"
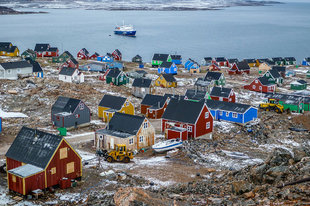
[[158, 104]]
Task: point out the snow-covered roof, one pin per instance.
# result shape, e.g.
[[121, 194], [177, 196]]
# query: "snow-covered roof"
[[26, 170]]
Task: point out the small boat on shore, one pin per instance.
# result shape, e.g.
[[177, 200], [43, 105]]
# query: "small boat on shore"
[[167, 145], [126, 30]]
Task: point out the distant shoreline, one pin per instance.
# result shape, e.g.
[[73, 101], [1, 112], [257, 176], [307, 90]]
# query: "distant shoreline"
[[8, 11]]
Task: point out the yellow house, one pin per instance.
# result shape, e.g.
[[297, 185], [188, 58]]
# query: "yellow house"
[[166, 80], [263, 67], [194, 70], [7, 49], [110, 104]]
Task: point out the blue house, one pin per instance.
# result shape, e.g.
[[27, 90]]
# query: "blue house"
[[0, 124], [191, 64], [113, 65], [232, 112], [306, 62], [177, 59], [168, 68], [107, 58], [94, 67]]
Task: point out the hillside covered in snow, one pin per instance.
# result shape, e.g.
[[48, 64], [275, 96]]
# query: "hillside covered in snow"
[[133, 4]]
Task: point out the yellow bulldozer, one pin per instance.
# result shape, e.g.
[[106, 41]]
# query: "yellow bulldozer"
[[119, 154], [272, 104]]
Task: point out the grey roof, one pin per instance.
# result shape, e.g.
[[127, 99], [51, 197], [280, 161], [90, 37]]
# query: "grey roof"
[[65, 104], [213, 76], [276, 59], [113, 102], [265, 81], [36, 66], [220, 92], [85, 51], [96, 54], [126, 123], [5, 45], [74, 60], [307, 59], [30, 51], [220, 59], [166, 64], [169, 77], [176, 57], [207, 59], [15, 65], [274, 73], [301, 81], [195, 94], [263, 60], [67, 71], [160, 57], [289, 58], [233, 60], [203, 83], [279, 68], [174, 96], [243, 65], [26, 170], [154, 100], [52, 49], [41, 47], [68, 53], [114, 73], [141, 82], [250, 60], [288, 97], [227, 106], [137, 57], [183, 110], [34, 147], [117, 52]]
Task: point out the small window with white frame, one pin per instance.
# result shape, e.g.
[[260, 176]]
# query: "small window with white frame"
[[208, 125], [206, 115], [81, 106], [145, 125], [227, 114], [256, 81], [189, 128], [235, 115], [131, 141], [221, 113], [141, 139]]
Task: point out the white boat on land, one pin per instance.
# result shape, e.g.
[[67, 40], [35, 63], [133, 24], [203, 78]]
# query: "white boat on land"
[[167, 145]]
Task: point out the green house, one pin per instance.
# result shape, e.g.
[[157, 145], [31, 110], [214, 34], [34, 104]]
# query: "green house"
[[308, 74], [116, 77], [217, 77], [292, 105], [299, 85], [289, 61], [158, 59], [274, 76], [278, 61], [29, 54], [292, 102], [62, 58]]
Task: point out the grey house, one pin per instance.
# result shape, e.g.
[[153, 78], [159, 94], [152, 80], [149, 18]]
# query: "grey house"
[[142, 87], [68, 112], [14, 70]]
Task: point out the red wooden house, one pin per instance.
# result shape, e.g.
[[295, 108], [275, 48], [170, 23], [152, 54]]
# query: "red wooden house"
[[194, 117], [223, 94], [261, 84], [44, 50], [94, 56], [70, 63], [153, 106], [221, 61], [214, 67], [104, 75], [83, 54], [117, 55], [239, 68], [39, 160]]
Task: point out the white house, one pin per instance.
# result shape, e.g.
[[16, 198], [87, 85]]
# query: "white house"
[[14, 70], [68, 74]]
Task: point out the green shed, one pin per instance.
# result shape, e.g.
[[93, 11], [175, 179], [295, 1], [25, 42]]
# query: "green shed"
[[117, 77], [293, 105], [29, 54], [308, 74], [299, 85], [293, 102]]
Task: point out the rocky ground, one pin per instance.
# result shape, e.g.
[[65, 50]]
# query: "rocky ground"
[[236, 167]]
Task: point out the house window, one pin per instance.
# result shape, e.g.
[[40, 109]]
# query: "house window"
[[221, 98], [189, 128], [63, 153], [8, 71], [234, 115], [77, 115], [13, 178], [53, 170], [18, 71], [131, 141], [221, 113], [208, 125], [256, 81], [253, 86], [267, 75], [81, 106], [206, 115], [57, 118], [70, 167], [145, 125], [141, 139], [127, 104], [227, 114], [158, 82], [260, 88]]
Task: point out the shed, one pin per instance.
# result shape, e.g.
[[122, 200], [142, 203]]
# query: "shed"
[[299, 85], [137, 59], [142, 87], [223, 94], [39, 160], [153, 106]]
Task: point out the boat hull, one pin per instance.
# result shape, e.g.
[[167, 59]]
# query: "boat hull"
[[125, 33], [167, 148]]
